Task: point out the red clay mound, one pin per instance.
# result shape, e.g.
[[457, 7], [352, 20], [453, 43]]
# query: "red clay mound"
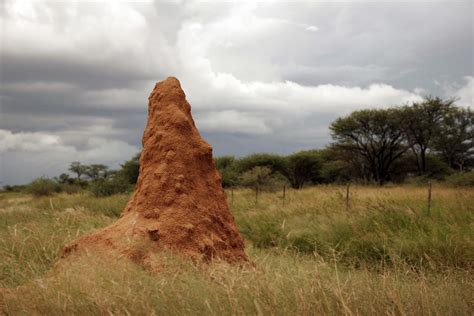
[[179, 203]]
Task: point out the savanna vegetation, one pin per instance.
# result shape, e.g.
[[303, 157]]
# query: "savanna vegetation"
[[385, 254], [432, 140]]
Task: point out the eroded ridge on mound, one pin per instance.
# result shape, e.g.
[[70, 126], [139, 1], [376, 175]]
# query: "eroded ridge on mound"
[[179, 203]]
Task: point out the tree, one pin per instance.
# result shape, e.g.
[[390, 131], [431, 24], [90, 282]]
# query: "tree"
[[303, 167], [224, 162], [131, 169], [262, 178], [114, 184], [96, 171], [78, 168], [64, 178], [227, 169], [276, 163], [454, 141], [374, 138], [256, 177], [420, 123], [341, 166], [43, 186]]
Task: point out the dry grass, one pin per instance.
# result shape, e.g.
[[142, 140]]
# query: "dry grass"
[[386, 255]]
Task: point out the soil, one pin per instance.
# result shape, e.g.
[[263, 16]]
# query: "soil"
[[179, 203]]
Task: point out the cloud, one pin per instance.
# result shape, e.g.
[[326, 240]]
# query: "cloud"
[[86, 44], [261, 76], [233, 122], [28, 142], [312, 28], [93, 148], [463, 94], [25, 156]]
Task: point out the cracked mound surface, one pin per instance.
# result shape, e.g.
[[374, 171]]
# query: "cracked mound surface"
[[179, 203]]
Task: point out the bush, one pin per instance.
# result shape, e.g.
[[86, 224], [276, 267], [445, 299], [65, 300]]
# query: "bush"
[[335, 167], [227, 169], [110, 186], [464, 179], [437, 168], [131, 169], [43, 187], [417, 180], [276, 163], [263, 178], [14, 188], [229, 178], [303, 167], [335, 172], [70, 188]]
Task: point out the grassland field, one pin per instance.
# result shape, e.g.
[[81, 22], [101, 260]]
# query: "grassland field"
[[387, 254]]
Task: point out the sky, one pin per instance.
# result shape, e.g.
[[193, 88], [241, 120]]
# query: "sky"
[[261, 76]]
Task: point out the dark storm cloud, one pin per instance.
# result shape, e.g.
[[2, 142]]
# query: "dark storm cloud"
[[403, 44], [73, 70], [60, 99], [266, 76]]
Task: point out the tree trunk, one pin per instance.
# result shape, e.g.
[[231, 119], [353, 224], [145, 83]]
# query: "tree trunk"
[[423, 160]]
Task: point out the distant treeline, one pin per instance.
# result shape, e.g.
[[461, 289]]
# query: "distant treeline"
[[97, 178], [432, 139]]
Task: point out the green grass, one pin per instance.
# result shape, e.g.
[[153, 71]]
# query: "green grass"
[[382, 225], [385, 255]]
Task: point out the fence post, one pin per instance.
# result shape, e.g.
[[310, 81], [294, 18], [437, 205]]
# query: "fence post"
[[429, 198], [232, 195], [284, 194], [256, 195], [347, 196]]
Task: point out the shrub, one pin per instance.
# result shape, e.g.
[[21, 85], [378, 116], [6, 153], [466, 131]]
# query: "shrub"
[[70, 188], [465, 179], [417, 180], [437, 168], [131, 169], [263, 178], [263, 231], [14, 188], [229, 178], [335, 172], [303, 167], [110, 186], [42, 187], [274, 162], [227, 169]]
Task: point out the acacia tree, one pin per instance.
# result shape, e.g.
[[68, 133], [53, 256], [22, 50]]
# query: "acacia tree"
[[303, 167], [78, 168], [96, 171], [130, 169], [276, 163], [373, 137], [421, 122], [454, 141], [226, 167], [256, 177], [64, 178]]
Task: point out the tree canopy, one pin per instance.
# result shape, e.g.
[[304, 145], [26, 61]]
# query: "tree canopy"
[[373, 135]]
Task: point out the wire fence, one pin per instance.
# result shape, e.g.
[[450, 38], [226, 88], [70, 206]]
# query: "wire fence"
[[347, 196]]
